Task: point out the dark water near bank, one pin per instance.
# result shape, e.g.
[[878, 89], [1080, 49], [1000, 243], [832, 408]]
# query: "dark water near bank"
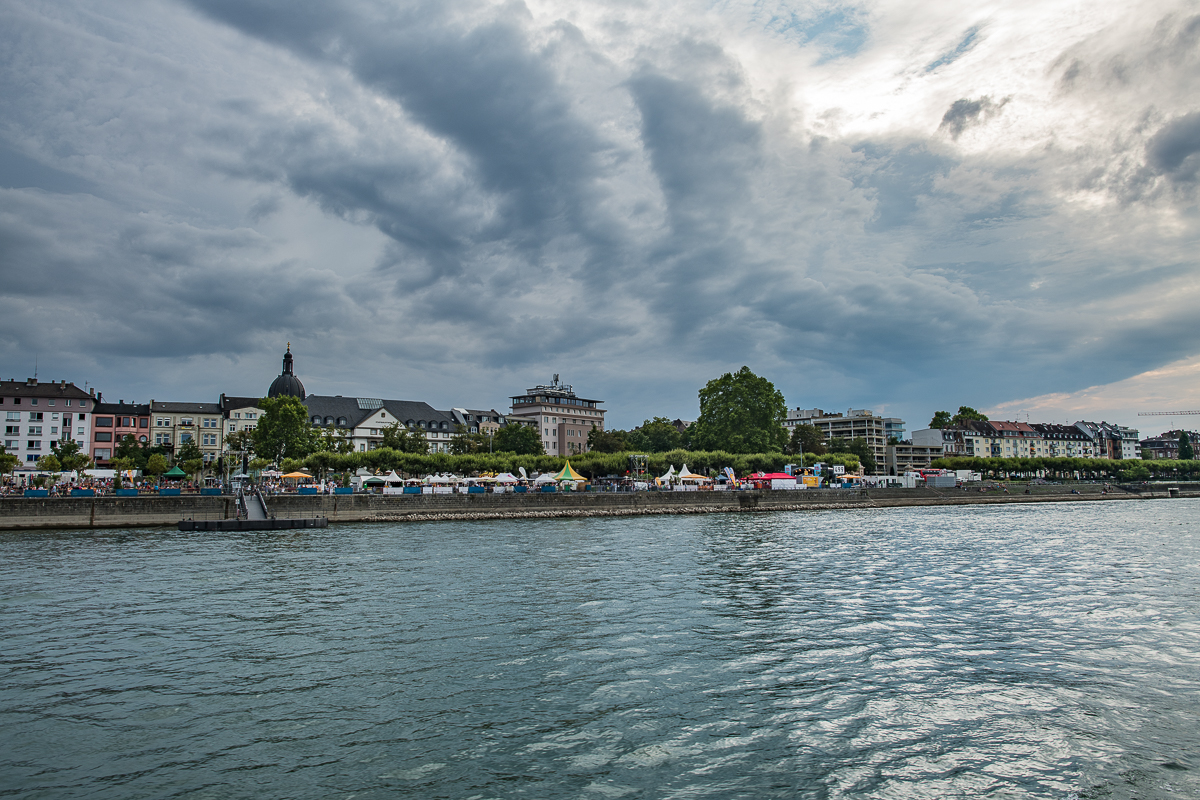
[[1022, 651]]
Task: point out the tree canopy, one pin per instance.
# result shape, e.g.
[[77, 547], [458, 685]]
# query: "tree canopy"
[[71, 456], [658, 435], [8, 462], [1186, 451], [520, 439], [399, 438], [859, 447], [807, 438], [740, 413], [943, 419], [283, 431], [607, 441]]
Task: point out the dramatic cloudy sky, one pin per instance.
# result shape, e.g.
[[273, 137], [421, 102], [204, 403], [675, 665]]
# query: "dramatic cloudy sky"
[[898, 205]]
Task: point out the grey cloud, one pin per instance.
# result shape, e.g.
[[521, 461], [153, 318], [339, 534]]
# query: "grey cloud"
[[1170, 149], [964, 113]]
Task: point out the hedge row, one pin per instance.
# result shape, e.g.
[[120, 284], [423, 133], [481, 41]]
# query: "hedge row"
[[1082, 468], [590, 465]]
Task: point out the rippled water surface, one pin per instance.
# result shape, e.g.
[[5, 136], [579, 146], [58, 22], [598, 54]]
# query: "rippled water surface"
[[1032, 651]]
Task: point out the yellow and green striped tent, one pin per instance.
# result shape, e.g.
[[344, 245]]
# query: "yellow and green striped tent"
[[569, 474]]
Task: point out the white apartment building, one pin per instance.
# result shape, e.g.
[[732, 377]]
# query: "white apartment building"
[[37, 414], [563, 419], [855, 423], [363, 420]]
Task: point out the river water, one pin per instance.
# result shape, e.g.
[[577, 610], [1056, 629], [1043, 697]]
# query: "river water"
[[990, 651]]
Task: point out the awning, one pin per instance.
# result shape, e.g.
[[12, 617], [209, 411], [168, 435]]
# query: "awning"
[[175, 472]]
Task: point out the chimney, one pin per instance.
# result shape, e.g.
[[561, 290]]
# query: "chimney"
[[31, 382]]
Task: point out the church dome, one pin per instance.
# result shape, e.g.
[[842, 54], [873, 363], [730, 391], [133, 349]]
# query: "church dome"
[[287, 384]]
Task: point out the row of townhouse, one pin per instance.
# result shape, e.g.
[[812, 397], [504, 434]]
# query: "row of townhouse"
[[1004, 439], [562, 419]]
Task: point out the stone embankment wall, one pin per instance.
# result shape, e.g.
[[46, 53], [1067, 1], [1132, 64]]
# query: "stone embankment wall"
[[114, 512]]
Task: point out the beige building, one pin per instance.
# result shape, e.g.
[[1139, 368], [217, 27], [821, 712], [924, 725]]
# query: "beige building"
[[907, 457], [172, 424], [563, 419]]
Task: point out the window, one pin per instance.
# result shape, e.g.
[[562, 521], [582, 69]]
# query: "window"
[[162, 422], [16, 401], [12, 430], [103, 453], [162, 438], [104, 436], [80, 432], [33, 445], [50, 402], [186, 421], [187, 437], [33, 401], [144, 422], [13, 416], [35, 416], [251, 415], [35, 430], [68, 404], [125, 422], [209, 439], [142, 438], [208, 423], [104, 422], [54, 416], [316, 420], [53, 430]]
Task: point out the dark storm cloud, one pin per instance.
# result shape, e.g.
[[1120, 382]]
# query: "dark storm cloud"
[[535, 196], [1171, 148]]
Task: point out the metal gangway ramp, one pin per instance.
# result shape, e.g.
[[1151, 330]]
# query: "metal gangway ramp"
[[256, 507]]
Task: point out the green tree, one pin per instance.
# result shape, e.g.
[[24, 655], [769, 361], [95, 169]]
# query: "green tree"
[[156, 464], [188, 451], [808, 439], [71, 456], [656, 435], [121, 464], [1186, 451], [130, 448], [599, 441], [399, 438], [740, 413], [941, 419], [283, 430], [520, 439], [8, 462], [857, 446], [335, 440], [967, 414], [49, 463], [194, 467]]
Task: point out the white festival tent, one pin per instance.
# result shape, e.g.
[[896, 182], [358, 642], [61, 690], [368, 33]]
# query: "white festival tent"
[[506, 477], [446, 478], [666, 478], [544, 479], [392, 477], [692, 477]]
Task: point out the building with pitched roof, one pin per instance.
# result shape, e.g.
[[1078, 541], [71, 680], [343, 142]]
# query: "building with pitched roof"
[[37, 414], [172, 424], [363, 419]]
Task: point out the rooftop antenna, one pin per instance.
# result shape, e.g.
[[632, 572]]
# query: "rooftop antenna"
[[35, 366]]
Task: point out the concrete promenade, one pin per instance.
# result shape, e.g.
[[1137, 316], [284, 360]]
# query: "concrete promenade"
[[147, 511]]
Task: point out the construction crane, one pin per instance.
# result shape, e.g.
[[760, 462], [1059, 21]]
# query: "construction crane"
[[1166, 413]]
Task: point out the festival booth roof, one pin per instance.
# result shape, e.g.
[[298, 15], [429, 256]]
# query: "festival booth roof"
[[175, 472], [442, 479], [687, 475], [392, 477], [374, 481], [771, 476], [670, 474], [568, 474], [506, 477], [297, 475], [544, 479]]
